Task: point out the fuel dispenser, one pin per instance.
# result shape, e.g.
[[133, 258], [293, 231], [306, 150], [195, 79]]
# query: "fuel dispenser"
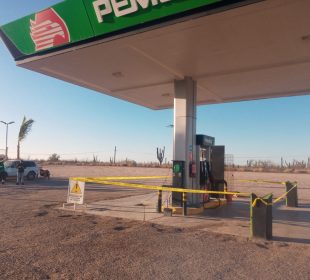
[[204, 146], [207, 168], [211, 160]]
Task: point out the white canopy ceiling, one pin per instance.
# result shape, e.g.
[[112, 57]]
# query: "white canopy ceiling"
[[257, 51]]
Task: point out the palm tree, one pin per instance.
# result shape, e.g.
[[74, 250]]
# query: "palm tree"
[[23, 132]]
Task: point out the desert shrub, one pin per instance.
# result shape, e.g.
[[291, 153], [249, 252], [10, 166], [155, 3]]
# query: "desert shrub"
[[54, 157]]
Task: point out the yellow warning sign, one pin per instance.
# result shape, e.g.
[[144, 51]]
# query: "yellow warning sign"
[[76, 189]]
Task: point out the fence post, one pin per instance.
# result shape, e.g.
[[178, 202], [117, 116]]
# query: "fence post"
[[292, 194], [261, 216], [184, 200], [160, 200]]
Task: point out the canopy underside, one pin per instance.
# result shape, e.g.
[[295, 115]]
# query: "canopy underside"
[[257, 51]]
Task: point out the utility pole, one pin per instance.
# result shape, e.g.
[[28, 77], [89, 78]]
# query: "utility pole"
[[114, 155], [6, 138]]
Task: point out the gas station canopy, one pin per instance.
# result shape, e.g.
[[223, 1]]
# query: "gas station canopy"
[[135, 49]]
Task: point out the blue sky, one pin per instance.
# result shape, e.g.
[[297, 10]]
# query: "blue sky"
[[78, 123]]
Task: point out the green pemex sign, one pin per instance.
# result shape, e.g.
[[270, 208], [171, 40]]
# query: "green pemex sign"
[[78, 21]]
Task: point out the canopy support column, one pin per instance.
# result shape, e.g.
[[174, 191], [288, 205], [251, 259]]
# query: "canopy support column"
[[184, 146]]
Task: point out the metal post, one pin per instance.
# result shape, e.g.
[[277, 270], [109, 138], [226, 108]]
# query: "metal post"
[[6, 138], [6, 142], [114, 155], [292, 194], [261, 216], [159, 203], [184, 200]]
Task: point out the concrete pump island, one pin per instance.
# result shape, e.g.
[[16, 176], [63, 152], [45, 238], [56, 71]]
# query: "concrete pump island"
[[180, 54]]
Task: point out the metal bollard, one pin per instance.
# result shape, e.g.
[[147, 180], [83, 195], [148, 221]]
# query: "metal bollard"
[[261, 216], [292, 194], [160, 200], [184, 200]]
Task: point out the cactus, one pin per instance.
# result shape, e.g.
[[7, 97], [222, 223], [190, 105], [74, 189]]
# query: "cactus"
[[95, 159], [160, 155]]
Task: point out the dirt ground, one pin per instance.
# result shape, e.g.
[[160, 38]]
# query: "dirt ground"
[[40, 241]]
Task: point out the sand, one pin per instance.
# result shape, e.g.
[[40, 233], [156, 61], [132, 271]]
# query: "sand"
[[39, 241]]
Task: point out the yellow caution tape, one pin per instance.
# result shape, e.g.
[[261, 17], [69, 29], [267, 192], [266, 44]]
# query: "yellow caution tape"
[[169, 207], [123, 178], [260, 199], [106, 181], [149, 187], [283, 195], [262, 181], [274, 201]]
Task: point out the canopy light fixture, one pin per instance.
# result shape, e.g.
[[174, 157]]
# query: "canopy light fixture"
[[165, 94], [306, 37], [118, 74]]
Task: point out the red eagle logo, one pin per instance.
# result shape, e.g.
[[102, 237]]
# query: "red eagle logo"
[[48, 30]]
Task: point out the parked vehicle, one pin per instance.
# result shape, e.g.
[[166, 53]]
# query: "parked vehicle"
[[32, 170]]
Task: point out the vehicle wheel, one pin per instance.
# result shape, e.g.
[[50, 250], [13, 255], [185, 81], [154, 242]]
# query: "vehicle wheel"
[[5, 175], [31, 176]]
